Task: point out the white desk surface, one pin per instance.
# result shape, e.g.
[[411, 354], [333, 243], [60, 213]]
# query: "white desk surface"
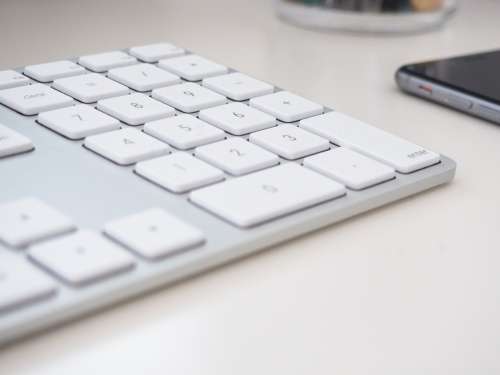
[[412, 288]]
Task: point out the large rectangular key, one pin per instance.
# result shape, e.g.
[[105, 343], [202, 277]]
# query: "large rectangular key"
[[346, 131], [262, 196]]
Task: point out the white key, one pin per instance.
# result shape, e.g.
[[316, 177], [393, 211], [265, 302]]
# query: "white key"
[[154, 233], [188, 97], [13, 143], [78, 122], [102, 62], [286, 106], [192, 67], [143, 77], [32, 99], [387, 148], [179, 172], [126, 146], [352, 169], [82, 257], [28, 220], [22, 284], [89, 88], [250, 200], [53, 70], [11, 78], [154, 52], [184, 131], [290, 142], [135, 109], [236, 156], [238, 86], [237, 118]]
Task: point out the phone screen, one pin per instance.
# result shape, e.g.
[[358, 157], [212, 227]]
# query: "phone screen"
[[477, 75]]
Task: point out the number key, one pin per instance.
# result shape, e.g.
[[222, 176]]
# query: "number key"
[[290, 142], [135, 109], [184, 131], [237, 156]]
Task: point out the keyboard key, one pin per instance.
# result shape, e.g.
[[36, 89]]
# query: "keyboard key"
[[184, 131], [32, 99], [290, 142], [251, 200], [236, 156], [179, 172], [154, 233], [89, 88], [237, 118], [192, 67], [22, 284], [286, 106], [346, 131], [50, 71], [154, 52], [13, 143], [188, 97], [352, 169], [126, 146], [28, 220], [135, 109], [82, 257], [11, 78], [102, 62], [143, 77], [238, 86], [78, 122]]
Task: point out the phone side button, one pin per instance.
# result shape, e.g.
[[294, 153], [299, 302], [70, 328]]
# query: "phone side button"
[[452, 100], [489, 113]]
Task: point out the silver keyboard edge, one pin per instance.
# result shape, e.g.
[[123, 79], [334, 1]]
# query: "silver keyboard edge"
[[228, 244]]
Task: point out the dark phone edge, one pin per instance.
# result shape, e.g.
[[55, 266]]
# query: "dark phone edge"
[[448, 96]]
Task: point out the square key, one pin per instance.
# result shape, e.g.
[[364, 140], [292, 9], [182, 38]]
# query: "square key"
[[21, 283], [192, 67], [290, 142], [143, 77], [154, 233], [188, 97], [126, 146], [352, 169], [82, 257], [89, 88], [179, 172], [184, 131], [28, 220], [238, 86], [48, 72], [286, 106], [236, 156], [153, 52], [11, 78], [13, 143], [135, 109], [78, 122], [33, 99], [102, 62], [237, 118]]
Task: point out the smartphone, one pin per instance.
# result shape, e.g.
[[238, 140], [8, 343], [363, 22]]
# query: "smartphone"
[[468, 83]]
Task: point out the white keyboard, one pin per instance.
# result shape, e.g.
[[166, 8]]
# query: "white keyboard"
[[127, 170]]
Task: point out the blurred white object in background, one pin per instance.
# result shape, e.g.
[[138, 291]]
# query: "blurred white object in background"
[[374, 16]]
